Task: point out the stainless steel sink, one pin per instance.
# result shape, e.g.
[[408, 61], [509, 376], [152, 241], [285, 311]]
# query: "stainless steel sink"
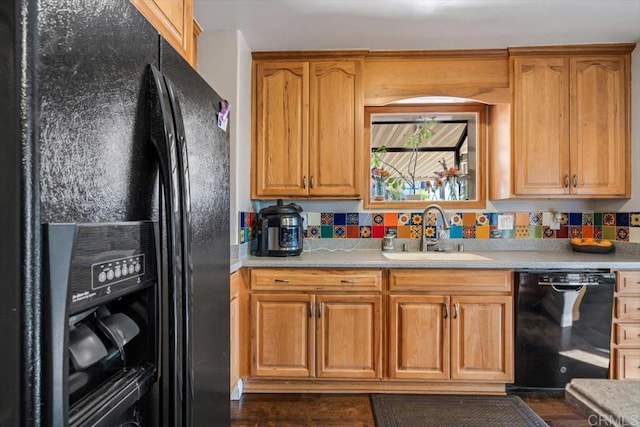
[[434, 256]]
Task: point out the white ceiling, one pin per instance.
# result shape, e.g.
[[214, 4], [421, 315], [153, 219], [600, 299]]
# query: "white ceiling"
[[421, 24]]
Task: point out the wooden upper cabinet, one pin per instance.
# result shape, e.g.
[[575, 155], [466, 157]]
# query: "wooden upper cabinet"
[[335, 128], [571, 126], [541, 126], [307, 130], [281, 134], [174, 21], [599, 126]]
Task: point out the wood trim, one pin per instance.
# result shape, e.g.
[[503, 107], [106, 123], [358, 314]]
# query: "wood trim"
[[302, 55], [412, 54], [500, 163], [254, 385], [481, 145], [589, 49], [480, 78]]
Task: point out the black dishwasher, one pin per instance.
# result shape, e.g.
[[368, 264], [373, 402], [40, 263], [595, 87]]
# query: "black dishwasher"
[[563, 327]]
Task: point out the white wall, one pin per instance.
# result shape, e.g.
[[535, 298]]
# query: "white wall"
[[224, 61]]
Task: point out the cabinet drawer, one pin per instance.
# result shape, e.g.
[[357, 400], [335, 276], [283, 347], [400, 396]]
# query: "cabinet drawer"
[[451, 281], [627, 334], [628, 308], [627, 363], [288, 279], [628, 282]]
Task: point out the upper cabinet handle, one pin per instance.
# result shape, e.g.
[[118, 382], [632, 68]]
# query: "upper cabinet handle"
[[313, 182], [304, 182], [311, 310], [446, 310], [455, 311], [282, 280], [566, 181], [575, 180]]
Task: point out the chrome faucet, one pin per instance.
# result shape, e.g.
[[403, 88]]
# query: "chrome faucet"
[[424, 243]]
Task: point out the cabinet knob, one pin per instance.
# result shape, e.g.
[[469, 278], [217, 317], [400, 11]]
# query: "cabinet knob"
[[566, 181], [575, 180]]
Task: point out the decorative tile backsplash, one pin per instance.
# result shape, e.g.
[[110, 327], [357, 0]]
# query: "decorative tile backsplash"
[[620, 226]]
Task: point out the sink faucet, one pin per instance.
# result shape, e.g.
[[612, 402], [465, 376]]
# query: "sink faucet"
[[425, 243]]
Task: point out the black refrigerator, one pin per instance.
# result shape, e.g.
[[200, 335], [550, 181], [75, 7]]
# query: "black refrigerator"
[[103, 122]]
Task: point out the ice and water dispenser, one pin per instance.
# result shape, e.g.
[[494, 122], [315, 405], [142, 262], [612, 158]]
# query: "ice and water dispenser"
[[101, 323]]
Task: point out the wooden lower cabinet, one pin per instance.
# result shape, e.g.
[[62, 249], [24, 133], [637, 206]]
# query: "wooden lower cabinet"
[[298, 335], [451, 325], [451, 337], [370, 330], [625, 340]]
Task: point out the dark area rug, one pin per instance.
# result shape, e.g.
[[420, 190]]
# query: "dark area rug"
[[409, 410]]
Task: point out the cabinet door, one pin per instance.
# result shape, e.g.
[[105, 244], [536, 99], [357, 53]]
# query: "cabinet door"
[[482, 338], [234, 341], [282, 335], [281, 128], [348, 336], [335, 125], [541, 126], [599, 125], [418, 337]]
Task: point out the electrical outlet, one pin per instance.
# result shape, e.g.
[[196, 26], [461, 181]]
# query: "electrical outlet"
[[505, 222], [552, 220]]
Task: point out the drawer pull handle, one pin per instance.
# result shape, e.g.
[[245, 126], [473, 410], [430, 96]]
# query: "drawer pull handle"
[[282, 280], [348, 281]]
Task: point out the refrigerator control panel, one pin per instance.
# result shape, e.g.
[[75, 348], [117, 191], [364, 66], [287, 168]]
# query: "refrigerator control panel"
[[114, 271], [99, 262]]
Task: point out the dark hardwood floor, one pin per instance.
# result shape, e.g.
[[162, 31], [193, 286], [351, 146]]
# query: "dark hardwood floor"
[[355, 410]]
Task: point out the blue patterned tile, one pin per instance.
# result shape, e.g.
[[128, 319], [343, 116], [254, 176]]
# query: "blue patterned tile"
[[339, 231], [326, 218], [352, 218]]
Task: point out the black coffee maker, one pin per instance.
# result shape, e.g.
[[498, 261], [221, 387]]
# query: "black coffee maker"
[[280, 230]]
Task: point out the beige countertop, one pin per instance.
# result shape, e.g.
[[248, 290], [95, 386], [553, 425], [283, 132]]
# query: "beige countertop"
[[510, 259]]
